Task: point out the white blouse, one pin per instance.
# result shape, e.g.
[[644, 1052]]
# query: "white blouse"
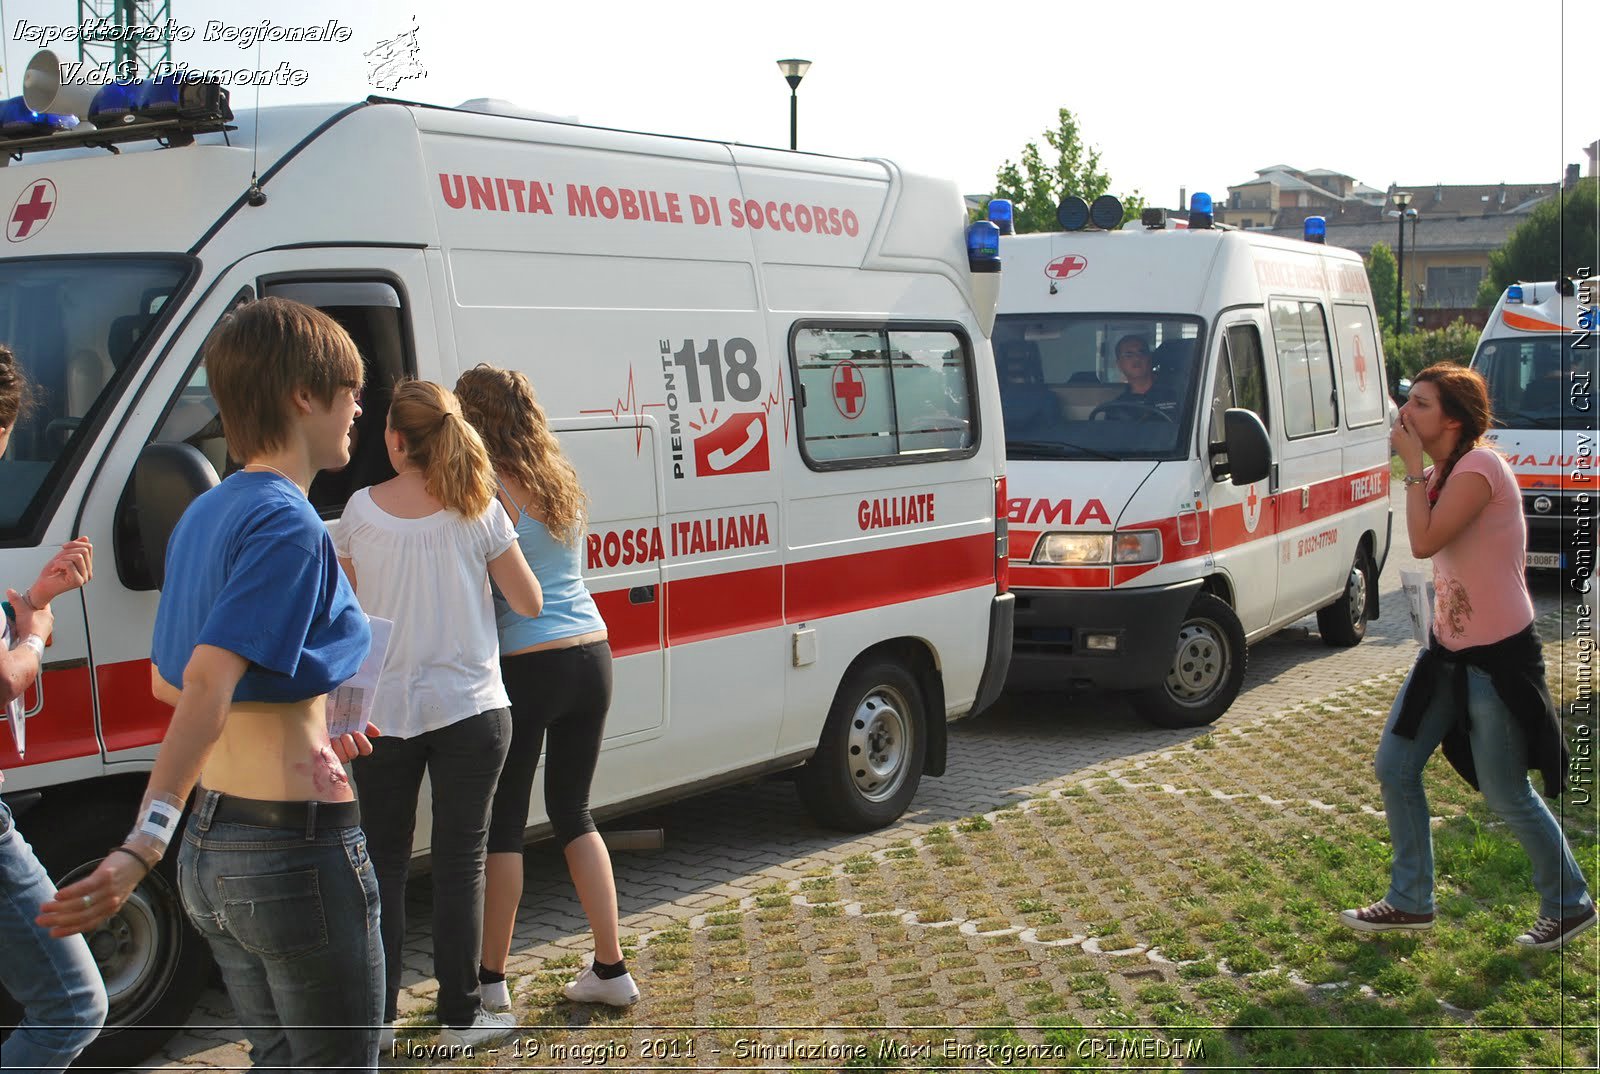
[[430, 576]]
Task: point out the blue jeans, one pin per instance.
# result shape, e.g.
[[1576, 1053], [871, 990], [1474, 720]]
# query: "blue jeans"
[[293, 923], [1499, 754], [56, 981]]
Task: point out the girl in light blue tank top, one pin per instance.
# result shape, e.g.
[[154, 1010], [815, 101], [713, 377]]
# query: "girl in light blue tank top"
[[557, 671]]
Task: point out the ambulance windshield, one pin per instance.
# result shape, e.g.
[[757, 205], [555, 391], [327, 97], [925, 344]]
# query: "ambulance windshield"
[[1539, 382], [1097, 385], [76, 324]]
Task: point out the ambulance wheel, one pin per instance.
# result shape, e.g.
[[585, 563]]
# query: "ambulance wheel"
[[1207, 668], [869, 760], [154, 963], [1344, 622]]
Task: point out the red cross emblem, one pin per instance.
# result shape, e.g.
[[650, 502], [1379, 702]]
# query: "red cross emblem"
[[1066, 267], [33, 206], [849, 390], [1252, 510], [1361, 366]]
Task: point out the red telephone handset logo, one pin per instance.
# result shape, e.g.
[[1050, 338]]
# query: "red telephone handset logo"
[[737, 446]]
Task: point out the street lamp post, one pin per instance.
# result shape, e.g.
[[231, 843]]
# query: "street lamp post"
[[1401, 200], [793, 72]]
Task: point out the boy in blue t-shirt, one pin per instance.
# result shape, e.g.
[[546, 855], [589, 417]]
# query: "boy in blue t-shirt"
[[256, 625]]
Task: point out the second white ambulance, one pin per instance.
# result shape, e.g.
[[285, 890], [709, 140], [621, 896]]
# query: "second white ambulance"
[[1537, 354], [1154, 535]]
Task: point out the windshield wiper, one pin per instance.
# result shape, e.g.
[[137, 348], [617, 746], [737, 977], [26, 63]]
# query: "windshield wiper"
[[1057, 449]]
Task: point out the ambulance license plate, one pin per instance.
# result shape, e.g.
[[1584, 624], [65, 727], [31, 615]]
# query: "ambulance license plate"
[[1545, 559]]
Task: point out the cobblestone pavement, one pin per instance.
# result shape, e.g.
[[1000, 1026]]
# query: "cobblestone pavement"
[[730, 843]]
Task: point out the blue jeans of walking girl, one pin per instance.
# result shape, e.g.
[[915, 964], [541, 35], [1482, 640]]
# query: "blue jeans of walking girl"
[[56, 981], [1500, 756]]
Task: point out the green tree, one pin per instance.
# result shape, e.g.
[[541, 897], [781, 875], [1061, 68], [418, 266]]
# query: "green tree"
[[1035, 186], [1558, 236], [1410, 354], [1382, 272]]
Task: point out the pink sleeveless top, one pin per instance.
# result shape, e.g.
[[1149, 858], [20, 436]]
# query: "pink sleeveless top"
[[1480, 590]]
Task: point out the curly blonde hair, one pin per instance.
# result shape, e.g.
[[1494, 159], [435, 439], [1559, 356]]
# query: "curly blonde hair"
[[501, 405]]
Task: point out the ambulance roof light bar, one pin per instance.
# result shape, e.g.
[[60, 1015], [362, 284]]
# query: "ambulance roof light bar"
[[171, 109], [1514, 294], [1200, 216], [1316, 229]]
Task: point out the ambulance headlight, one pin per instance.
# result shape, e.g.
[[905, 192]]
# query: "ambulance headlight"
[[1074, 550], [1136, 546]]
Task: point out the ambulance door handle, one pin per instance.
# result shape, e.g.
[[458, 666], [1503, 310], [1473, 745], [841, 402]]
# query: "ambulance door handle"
[[1305, 498], [642, 594]]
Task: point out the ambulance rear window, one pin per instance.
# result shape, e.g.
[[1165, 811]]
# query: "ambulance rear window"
[[878, 394]]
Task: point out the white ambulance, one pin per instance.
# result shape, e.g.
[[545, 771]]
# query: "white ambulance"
[[1196, 441], [1537, 353], [770, 369]]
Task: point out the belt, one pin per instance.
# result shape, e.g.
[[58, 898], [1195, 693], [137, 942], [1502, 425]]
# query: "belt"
[[308, 816]]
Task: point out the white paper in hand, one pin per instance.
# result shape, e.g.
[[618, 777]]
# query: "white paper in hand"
[[350, 704], [1418, 587]]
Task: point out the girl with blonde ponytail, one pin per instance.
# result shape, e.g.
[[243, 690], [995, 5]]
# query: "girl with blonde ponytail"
[[420, 550], [557, 671]]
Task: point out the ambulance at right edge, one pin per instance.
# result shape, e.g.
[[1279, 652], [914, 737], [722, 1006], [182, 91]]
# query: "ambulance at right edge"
[[1538, 354]]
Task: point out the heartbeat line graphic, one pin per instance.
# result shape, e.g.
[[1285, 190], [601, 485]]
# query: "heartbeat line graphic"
[[629, 405], [777, 399]]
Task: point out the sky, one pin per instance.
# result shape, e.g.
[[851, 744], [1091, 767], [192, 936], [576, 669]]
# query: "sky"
[[1172, 94]]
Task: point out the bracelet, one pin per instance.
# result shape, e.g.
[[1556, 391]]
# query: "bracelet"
[[140, 858], [27, 598], [1409, 480]]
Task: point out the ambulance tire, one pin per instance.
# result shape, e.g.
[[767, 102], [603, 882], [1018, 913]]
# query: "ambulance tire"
[[156, 965], [869, 760], [1344, 622], [1207, 669]]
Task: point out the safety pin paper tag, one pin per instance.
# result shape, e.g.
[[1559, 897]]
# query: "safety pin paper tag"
[[161, 822]]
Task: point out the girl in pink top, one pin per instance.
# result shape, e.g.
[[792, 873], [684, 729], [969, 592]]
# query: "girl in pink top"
[[1479, 688]]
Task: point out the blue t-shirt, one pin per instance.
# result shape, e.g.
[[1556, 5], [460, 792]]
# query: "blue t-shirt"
[[568, 608], [251, 569]]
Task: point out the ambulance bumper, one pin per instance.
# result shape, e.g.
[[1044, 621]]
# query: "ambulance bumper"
[[1002, 614], [1054, 627]]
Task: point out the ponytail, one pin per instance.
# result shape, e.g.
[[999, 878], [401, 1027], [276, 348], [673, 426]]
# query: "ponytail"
[[454, 464]]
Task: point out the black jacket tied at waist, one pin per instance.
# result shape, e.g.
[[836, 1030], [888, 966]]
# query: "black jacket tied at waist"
[[1516, 668]]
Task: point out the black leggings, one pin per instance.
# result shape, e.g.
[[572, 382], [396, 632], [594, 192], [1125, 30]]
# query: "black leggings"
[[563, 694]]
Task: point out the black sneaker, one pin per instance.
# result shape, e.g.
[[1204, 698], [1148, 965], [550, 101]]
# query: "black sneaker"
[[1381, 917], [1550, 933]]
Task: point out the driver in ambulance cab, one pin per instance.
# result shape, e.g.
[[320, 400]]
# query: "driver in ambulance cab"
[[1135, 364]]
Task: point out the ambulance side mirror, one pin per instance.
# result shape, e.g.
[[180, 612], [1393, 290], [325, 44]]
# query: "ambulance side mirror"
[[1248, 446], [166, 480]]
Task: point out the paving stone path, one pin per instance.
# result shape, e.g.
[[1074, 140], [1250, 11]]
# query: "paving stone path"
[[754, 845]]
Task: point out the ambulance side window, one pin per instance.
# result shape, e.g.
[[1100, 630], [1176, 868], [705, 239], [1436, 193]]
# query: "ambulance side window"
[[371, 313], [1365, 400], [880, 394], [1305, 365], [1241, 378]]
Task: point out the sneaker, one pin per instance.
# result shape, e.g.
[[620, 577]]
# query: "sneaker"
[[1549, 933], [587, 988], [488, 1027], [1381, 917], [496, 995]]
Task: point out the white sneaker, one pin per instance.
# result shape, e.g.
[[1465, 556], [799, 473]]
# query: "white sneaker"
[[496, 996], [587, 988], [488, 1027]]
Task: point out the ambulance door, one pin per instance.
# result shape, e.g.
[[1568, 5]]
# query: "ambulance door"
[[620, 472], [379, 296], [1310, 564], [1244, 518]]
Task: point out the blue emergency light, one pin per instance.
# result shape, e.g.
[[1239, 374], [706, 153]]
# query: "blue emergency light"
[[17, 120], [179, 95], [983, 246], [1316, 229], [1106, 212], [1200, 210], [1514, 294], [1000, 214]]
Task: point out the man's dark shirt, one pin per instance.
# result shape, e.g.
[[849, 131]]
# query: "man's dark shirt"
[[1160, 398]]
